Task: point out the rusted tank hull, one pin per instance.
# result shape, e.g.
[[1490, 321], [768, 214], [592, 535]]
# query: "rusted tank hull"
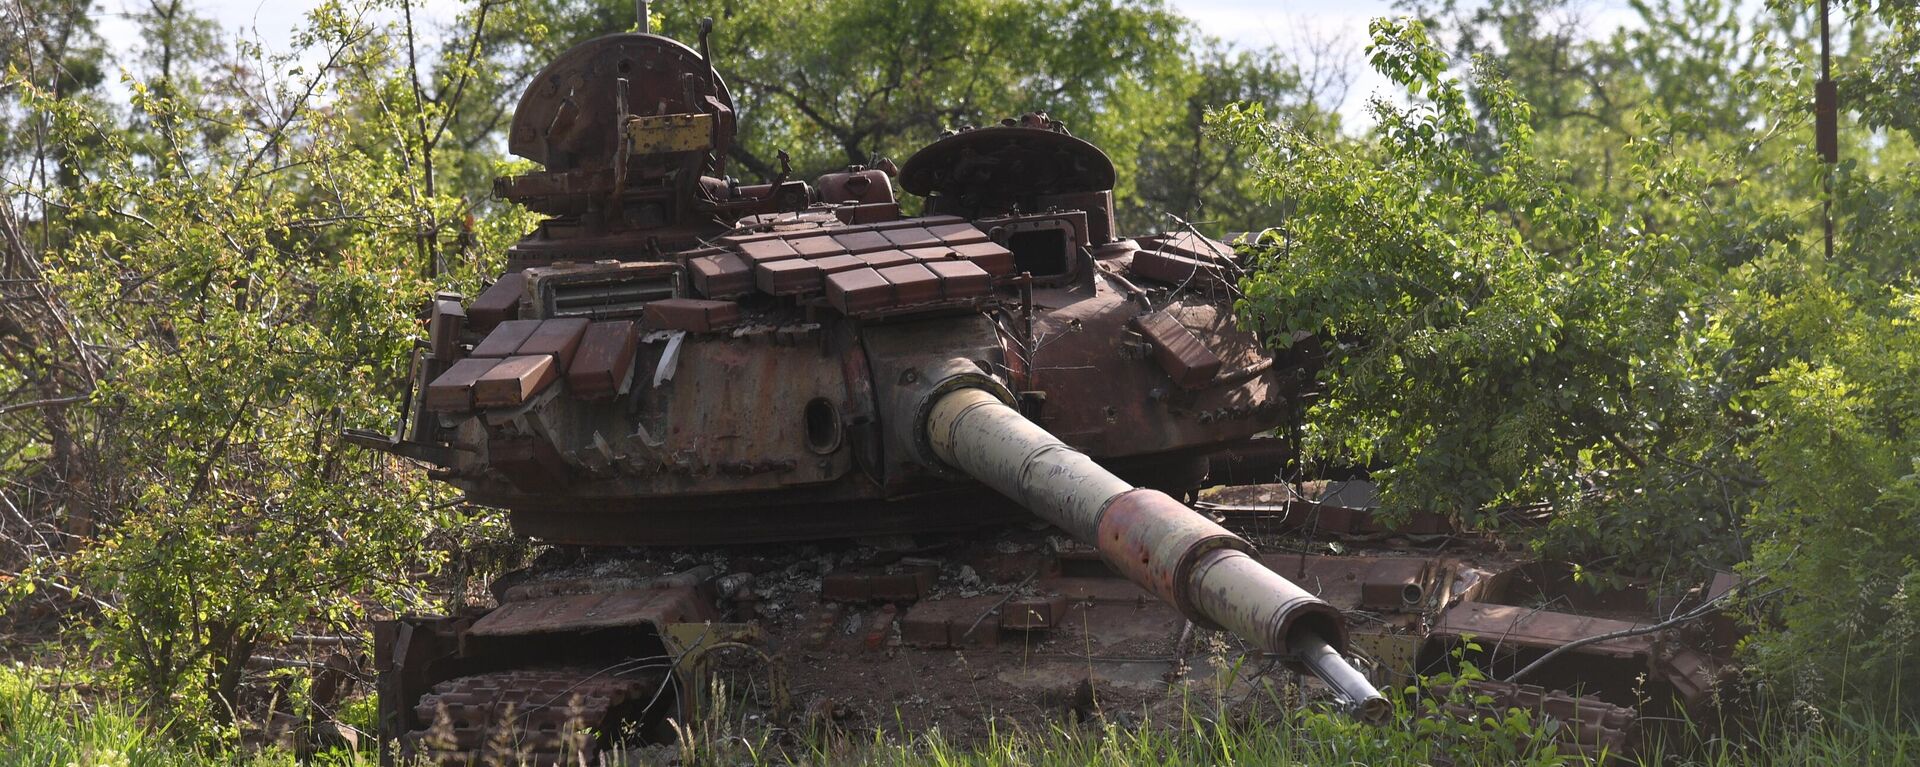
[[1015, 627]]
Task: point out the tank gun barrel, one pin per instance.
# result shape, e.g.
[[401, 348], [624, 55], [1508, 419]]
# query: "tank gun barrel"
[[1184, 558]]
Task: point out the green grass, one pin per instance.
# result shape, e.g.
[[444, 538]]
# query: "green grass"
[[45, 722]]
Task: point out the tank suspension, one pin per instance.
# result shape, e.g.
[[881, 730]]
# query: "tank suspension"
[[1184, 558]]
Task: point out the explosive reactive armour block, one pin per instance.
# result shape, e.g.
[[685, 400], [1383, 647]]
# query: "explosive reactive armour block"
[[498, 303], [721, 276], [1188, 361], [762, 251], [1195, 247], [933, 254], [505, 339], [989, 256], [912, 284], [1176, 269], [961, 279], [559, 337], [868, 213], [514, 381], [839, 263], [885, 258], [693, 315], [444, 327], [958, 234], [452, 392], [736, 239], [910, 237], [862, 241], [819, 246], [794, 276], [858, 290], [606, 354]]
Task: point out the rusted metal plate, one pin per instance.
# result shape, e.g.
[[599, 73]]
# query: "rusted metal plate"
[[557, 337], [957, 234], [867, 186], [837, 263], [818, 246], [1496, 625], [763, 251], [1035, 613], [694, 315], [1097, 205], [581, 612], [884, 259], [1188, 361], [991, 257], [934, 254], [498, 303], [605, 359], [660, 134], [957, 622], [1177, 270], [721, 276], [514, 381], [559, 125], [1374, 583], [745, 237], [912, 284], [452, 392], [443, 329], [910, 237], [1191, 245], [862, 241], [961, 279], [1109, 590], [858, 290], [505, 339], [794, 276], [1693, 674]]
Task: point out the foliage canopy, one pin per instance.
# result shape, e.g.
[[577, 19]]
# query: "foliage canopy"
[[1620, 304]]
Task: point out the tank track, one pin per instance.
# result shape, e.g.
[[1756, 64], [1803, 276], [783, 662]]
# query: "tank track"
[[531, 717]]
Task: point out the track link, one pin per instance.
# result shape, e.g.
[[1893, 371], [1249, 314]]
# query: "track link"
[[530, 717]]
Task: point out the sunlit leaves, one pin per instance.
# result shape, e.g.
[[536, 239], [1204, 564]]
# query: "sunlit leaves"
[[1602, 287]]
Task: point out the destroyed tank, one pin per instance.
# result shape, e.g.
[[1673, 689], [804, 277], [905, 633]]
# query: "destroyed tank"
[[876, 468]]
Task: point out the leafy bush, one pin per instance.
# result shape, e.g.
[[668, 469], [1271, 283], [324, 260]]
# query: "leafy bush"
[[251, 294], [1658, 347]]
